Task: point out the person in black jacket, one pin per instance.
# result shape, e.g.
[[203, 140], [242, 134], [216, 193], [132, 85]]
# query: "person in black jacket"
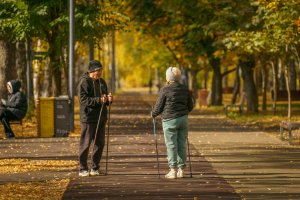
[[15, 108], [174, 102], [92, 93]]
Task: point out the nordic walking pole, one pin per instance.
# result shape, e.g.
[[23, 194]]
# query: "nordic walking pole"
[[107, 133], [187, 140], [96, 134], [156, 146]]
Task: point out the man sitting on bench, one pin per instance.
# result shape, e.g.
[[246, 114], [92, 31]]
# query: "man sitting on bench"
[[15, 107]]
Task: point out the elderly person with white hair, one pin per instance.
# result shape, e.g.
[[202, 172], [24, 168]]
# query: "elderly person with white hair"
[[174, 102]]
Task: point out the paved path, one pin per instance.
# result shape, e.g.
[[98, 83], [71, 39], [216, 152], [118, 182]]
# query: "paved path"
[[132, 163], [226, 157], [257, 165]]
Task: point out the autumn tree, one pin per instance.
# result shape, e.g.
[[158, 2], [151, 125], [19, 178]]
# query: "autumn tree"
[[49, 21]]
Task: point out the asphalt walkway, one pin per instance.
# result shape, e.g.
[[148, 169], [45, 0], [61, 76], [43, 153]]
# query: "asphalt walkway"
[[255, 164]]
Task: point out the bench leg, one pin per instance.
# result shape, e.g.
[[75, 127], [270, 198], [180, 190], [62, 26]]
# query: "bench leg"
[[22, 131], [226, 111], [290, 135], [243, 111], [281, 132]]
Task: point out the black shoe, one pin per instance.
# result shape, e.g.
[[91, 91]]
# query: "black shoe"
[[9, 136]]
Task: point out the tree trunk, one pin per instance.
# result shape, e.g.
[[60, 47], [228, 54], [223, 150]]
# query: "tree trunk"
[[288, 82], [225, 77], [282, 81], [103, 58], [274, 87], [263, 69], [12, 67], [193, 82], [36, 75], [289, 91], [216, 95], [293, 75], [79, 69], [64, 73], [47, 79], [249, 86], [276, 68], [256, 77], [21, 65], [56, 75], [5, 71], [237, 83], [54, 55], [298, 75], [205, 78]]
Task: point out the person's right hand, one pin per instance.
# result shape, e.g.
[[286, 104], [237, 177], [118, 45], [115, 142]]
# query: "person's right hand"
[[104, 98]]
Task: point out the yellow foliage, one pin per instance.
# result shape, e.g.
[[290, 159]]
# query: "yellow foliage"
[[34, 190], [26, 165]]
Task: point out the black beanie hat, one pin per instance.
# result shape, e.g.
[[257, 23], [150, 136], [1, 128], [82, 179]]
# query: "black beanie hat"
[[94, 65]]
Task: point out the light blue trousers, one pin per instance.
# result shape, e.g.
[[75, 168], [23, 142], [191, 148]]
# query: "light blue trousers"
[[176, 133]]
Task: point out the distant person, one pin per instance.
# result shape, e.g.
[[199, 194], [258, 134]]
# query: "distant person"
[[174, 102], [158, 86], [184, 81], [184, 78], [92, 93], [15, 108], [150, 86]]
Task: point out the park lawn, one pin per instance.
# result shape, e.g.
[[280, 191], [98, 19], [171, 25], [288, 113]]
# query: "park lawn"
[[267, 122]]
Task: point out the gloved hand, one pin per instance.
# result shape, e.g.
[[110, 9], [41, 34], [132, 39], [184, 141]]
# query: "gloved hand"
[[3, 102]]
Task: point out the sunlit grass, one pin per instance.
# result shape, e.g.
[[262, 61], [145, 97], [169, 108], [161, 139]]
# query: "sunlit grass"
[[267, 121]]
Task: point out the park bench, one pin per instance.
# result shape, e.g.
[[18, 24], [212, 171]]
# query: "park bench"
[[282, 95], [288, 125], [15, 122], [227, 90], [240, 105]]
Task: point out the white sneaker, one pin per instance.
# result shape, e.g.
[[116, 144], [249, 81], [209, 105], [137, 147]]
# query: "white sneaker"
[[84, 173], [180, 174], [171, 175], [97, 172]]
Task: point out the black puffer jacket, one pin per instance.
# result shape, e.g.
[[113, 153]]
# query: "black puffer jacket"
[[174, 100], [17, 102], [89, 96]]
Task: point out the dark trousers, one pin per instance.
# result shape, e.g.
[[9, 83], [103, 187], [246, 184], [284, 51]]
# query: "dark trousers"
[[88, 131], [6, 116]]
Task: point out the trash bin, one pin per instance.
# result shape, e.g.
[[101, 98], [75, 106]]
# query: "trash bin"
[[61, 116], [202, 96], [45, 117]]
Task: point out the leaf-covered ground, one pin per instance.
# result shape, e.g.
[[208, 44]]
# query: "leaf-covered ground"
[[26, 165], [52, 189]]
